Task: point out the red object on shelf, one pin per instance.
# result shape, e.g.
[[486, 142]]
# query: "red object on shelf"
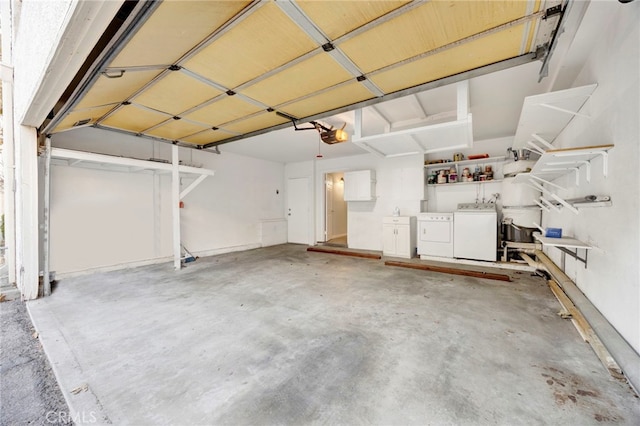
[[477, 156], [181, 205]]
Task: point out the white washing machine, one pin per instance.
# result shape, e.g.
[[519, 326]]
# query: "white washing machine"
[[475, 231], [435, 234]]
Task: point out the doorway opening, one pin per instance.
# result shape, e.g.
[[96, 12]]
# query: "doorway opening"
[[335, 217]]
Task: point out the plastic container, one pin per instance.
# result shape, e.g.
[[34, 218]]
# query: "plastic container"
[[553, 233]]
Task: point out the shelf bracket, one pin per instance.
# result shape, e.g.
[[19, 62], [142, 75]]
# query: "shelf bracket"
[[574, 254], [193, 185], [605, 162], [564, 203], [536, 148], [542, 140], [564, 110], [554, 206], [542, 206], [550, 204], [546, 181]]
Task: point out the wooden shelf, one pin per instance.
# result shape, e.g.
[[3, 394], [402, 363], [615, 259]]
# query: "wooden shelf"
[[559, 162], [555, 163]]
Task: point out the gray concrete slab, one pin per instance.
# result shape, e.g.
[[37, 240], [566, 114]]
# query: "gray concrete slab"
[[282, 336]]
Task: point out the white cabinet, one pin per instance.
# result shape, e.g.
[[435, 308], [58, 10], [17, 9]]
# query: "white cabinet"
[[360, 185], [399, 236]]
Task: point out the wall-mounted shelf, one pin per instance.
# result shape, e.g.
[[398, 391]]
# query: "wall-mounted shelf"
[[477, 182], [90, 160], [544, 116], [560, 162], [492, 160], [565, 244]]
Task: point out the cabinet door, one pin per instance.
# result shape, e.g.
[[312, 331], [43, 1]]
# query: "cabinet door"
[[403, 240], [350, 186], [389, 239], [358, 185]]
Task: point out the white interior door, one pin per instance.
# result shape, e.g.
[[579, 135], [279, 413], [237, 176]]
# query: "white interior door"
[[298, 210]]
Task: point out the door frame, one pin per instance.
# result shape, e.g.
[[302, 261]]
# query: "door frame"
[[309, 207], [322, 219]]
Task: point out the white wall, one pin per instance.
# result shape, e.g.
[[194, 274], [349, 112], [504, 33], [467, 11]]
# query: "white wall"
[[400, 182], [105, 218], [612, 279], [102, 218]]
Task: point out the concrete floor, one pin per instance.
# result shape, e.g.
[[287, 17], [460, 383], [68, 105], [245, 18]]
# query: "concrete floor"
[[282, 336]]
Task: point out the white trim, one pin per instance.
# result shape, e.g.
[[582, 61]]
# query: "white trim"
[[175, 207]]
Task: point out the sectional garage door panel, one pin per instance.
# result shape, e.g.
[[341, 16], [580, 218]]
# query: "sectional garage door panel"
[[224, 70]]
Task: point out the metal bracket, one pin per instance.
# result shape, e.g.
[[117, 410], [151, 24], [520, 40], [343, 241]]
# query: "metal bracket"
[[552, 11], [574, 254]]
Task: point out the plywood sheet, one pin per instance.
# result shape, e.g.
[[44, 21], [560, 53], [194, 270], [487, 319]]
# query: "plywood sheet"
[[316, 73], [175, 93], [425, 28], [487, 50], [134, 119], [173, 29], [176, 129], [256, 122], [340, 17], [207, 136], [341, 96], [89, 113], [116, 90], [260, 43], [224, 110]]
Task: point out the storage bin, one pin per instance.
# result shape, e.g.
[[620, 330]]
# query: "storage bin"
[[553, 233]]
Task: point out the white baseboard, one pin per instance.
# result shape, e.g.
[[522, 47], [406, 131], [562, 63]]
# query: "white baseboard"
[[223, 250], [139, 263], [109, 268]]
